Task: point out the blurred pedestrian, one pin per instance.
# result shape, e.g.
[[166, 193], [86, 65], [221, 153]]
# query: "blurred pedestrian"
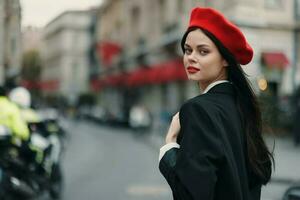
[[139, 119], [214, 146], [296, 127]]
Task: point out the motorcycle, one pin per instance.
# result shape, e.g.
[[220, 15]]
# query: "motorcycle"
[[22, 176], [46, 137], [14, 185]]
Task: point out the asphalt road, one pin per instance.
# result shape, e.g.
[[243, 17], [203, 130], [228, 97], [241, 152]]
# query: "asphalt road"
[[102, 163]]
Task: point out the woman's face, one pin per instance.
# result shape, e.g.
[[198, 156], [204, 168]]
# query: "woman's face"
[[202, 60]]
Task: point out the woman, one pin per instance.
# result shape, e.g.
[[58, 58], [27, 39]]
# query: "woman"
[[214, 147]]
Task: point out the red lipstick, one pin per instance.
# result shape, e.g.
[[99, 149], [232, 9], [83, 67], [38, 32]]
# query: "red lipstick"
[[192, 70]]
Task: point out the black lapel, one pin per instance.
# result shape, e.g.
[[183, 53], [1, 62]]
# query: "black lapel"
[[225, 88]]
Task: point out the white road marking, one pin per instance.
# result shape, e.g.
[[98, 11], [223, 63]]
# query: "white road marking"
[[147, 190]]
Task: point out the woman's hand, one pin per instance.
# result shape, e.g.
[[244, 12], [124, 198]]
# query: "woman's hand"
[[174, 129]]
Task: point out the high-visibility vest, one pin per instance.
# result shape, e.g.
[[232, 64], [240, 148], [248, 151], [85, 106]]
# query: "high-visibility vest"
[[10, 116]]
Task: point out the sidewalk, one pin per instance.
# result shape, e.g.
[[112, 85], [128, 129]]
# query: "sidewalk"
[[287, 160], [287, 164], [287, 167]]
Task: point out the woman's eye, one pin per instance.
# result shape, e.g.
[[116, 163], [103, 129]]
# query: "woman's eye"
[[187, 51], [203, 52]]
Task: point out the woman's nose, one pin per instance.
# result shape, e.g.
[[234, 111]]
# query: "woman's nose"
[[192, 58]]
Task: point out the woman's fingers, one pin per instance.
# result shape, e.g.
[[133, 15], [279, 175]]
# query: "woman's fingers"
[[173, 129]]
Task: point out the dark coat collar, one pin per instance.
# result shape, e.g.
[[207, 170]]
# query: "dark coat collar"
[[225, 88]]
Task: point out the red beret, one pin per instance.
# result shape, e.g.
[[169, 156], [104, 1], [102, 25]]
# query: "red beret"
[[225, 31]]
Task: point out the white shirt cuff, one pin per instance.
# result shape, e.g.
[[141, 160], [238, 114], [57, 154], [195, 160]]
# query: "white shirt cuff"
[[166, 148]]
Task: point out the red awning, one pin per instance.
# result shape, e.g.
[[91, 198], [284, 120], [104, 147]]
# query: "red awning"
[[115, 80], [112, 80], [159, 73], [107, 50], [172, 70], [29, 84], [137, 77], [275, 60], [96, 84], [47, 85]]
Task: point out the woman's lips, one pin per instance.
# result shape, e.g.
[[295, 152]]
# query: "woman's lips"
[[192, 70]]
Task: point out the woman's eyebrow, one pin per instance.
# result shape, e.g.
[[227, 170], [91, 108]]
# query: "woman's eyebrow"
[[198, 46], [202, 45]]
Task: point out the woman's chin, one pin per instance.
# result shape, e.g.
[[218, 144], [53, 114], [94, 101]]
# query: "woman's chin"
[[192, 78]]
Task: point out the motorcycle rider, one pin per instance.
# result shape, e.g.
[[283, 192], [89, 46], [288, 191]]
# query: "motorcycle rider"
[[49, 174], [10, 116], [22, 98]]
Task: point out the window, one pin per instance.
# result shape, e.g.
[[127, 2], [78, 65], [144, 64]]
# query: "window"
[[273, 4], [297, 9], [135, 14], [180, 6], [162, 14], [135, 20], [13, 45]]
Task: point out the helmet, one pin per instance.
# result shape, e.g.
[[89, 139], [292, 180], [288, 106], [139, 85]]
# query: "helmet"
[[20, 96]]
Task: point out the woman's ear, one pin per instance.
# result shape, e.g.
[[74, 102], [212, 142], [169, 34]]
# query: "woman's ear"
[[224, 63]]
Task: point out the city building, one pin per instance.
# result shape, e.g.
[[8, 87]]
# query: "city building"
[[65, 52], [10, 39]]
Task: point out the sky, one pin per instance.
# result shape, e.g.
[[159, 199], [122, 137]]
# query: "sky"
[[40, 12]]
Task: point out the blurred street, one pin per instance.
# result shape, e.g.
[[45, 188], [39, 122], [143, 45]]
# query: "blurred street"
[[112, 163], [107, 163]]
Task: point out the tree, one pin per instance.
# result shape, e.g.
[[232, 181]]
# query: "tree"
[[31, 66], [31, 71]]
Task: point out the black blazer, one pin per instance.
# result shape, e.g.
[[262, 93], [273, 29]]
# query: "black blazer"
[[212, 161]]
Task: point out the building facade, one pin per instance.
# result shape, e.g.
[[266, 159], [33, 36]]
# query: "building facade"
[[2, 15], [10, 39], [65, 45], [143, 36]]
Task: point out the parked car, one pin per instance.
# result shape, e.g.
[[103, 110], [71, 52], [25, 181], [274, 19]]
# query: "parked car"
[[292, 193]]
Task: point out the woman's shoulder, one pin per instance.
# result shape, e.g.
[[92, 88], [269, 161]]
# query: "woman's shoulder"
[[205, 101], [211, 101]]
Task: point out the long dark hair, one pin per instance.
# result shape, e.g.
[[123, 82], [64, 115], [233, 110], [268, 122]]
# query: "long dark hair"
[[260, 158]]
